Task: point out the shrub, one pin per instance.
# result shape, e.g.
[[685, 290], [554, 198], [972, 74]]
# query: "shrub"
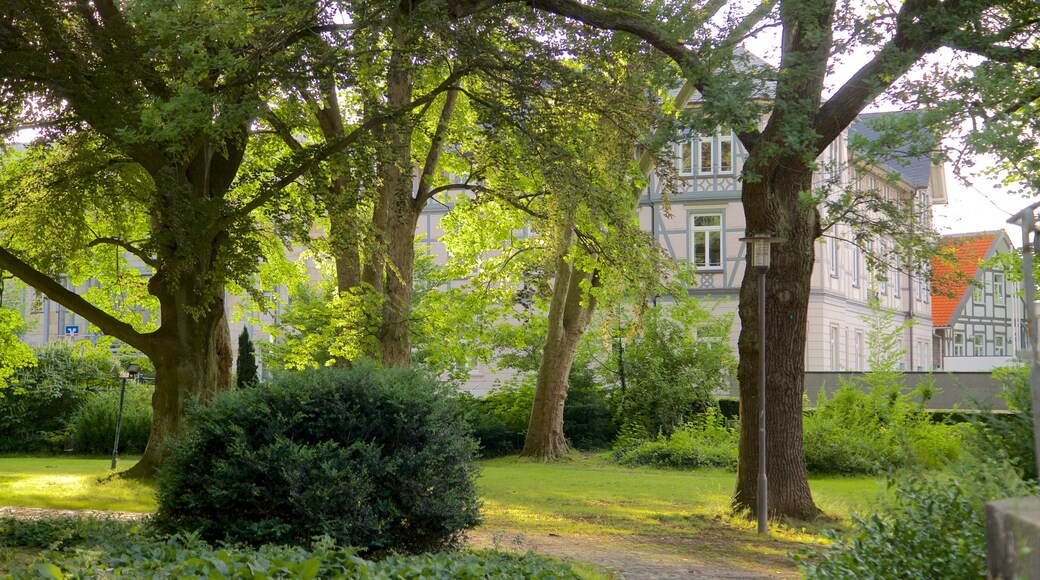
[[93, 427], [926, 527], [1008, 435], [65, 532], [35, 414], [672, 367], [709, 440], [378, 459], [588, 422]]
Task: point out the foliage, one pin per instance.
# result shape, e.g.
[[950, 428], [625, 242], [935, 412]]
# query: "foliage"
[[708, 440], [65, 532], [377, 459], [500, 419], [186, 556], [927, 526], [1008, 436], [247, 374], [35, 415], [14, 354], [673, 365], [874, 425], [93, 427]]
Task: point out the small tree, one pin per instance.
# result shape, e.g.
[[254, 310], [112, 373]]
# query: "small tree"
[[248, 376]]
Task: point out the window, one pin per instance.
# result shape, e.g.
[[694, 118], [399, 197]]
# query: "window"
[[979, 349], [978, 296], [998, 346], [924, 203], [834, 257], [726, 153], [958, 344], [834, 348], [706, 160], [706, 240], [686, 158], [856, 258], [895, 282], [859, 351], [998, 289]]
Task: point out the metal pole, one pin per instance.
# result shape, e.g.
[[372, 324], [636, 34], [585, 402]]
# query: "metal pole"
[[763, 505], [119, 423], [1027, 220]]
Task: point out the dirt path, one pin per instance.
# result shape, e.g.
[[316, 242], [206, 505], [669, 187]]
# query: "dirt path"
[[624, 557], [635, 557]]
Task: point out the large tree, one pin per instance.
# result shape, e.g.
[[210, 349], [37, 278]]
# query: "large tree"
[[146, 109], [785, 125]]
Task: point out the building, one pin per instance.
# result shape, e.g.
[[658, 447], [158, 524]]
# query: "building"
[[976, 311]]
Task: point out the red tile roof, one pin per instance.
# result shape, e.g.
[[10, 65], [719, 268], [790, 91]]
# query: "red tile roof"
[[954, 269]]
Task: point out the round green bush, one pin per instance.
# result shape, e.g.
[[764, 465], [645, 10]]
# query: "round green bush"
[[93, 427], [377, 459]]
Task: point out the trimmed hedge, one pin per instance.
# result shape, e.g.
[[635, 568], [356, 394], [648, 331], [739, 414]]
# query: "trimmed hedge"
[[376, 459]]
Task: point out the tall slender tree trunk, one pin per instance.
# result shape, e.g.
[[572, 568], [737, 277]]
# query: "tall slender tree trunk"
[[569, 315], [772, 205]]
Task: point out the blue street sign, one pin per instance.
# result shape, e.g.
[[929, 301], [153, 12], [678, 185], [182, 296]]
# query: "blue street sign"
[[72, 330]]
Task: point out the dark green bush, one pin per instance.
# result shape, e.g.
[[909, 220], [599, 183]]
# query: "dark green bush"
[[588, 420], [35, 414], [709, 440], [93, 427], [926, 527], [377, 459]]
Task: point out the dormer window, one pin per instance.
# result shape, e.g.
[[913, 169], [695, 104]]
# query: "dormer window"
[[707, 155]]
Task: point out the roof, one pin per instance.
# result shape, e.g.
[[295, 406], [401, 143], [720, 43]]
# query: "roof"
[[954, 269], [914, 169]]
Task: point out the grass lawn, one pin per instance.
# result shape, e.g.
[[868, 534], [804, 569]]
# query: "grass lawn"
[[72, 483], [671, 513]]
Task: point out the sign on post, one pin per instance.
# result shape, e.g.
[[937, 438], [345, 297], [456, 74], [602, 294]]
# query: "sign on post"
[[71, 331]]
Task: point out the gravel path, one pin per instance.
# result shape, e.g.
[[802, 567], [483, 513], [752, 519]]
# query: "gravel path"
[[624, 557]]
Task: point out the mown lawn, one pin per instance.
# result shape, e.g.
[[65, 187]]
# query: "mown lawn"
[[72, 483], [585, 497]]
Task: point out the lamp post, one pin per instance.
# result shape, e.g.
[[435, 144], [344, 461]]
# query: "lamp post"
[[1026, 219], [132, 370], [759, 250]]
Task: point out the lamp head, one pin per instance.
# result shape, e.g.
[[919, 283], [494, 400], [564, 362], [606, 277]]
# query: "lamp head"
[[760, 249]]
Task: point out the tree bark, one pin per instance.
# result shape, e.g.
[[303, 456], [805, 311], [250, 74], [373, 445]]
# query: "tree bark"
[[772, 205], [568, 319]]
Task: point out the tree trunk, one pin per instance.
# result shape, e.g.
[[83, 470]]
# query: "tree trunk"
[[190, 364], [772, 204], [568, 318], [395, 341]]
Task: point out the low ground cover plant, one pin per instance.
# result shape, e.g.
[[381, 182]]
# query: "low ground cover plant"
[[709, 440], [91, 547], [376, 459]]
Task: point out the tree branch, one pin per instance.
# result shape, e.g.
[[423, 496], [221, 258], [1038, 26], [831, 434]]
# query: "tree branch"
[[141, 254], [108, 324], [433, 156]]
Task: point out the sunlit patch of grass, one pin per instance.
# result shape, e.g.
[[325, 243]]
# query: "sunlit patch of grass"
[[71, 483], [671, 510]]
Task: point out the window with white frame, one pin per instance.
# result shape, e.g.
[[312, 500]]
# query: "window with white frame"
[[998, 346], [895, 282], [834, 257], [979, 345], [924, 203], [958, 344], [998, 289], [686, 157], [706, 240], [726, 152], [978, 295], [706, 156], [856, 259]]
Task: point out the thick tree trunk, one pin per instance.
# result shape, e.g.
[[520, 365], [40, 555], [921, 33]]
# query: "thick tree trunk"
[[397, 309], [772, 205], [568, 319], [190, 364]]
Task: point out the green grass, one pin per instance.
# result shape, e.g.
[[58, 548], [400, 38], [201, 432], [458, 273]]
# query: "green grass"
[[671, 513], [72, 483], [590, 497]]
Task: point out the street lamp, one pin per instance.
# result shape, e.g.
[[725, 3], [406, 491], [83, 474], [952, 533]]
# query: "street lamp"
[[759, 250], [132, 370]]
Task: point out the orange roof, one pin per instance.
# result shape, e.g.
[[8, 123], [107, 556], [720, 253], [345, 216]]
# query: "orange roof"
[[954, 269]]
